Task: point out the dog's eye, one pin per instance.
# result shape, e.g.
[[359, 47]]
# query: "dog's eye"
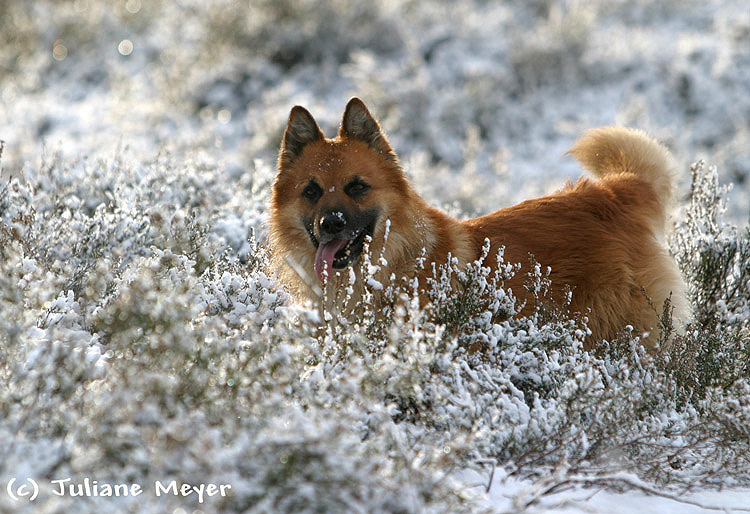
[[356, 188], [312, 191]]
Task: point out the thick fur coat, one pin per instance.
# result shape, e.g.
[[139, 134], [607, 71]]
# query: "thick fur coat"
[[602, 237]]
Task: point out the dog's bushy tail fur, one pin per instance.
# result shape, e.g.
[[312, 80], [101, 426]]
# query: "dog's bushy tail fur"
[[613, 150], [610, 152]]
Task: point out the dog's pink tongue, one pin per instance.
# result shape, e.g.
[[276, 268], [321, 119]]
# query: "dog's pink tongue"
[[325, 256]]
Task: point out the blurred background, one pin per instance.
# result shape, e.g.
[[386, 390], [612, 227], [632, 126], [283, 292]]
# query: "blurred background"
[[481, 99]]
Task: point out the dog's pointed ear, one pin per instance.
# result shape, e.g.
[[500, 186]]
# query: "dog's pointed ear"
[[301, 130], [358, 123]]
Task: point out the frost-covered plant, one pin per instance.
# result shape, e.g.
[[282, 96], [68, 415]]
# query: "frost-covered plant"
[[142, 339], [554, 48], [467, 301], [149, 343], [154, 368], [715, 257]]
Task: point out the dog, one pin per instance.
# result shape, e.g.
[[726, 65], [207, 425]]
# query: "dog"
[[602, 237]]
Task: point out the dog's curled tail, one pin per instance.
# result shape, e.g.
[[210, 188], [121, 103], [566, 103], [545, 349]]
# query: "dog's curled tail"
[[614, 150]]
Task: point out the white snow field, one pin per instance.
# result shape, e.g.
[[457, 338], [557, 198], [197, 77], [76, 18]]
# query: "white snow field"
[[150, 361]]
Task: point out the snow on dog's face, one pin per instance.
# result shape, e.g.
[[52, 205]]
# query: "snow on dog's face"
[[338, 231], [331, 196]]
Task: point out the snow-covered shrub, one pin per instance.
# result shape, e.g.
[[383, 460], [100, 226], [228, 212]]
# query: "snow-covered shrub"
[[715, 257], [142, 337], [554, 48], [126, 361]]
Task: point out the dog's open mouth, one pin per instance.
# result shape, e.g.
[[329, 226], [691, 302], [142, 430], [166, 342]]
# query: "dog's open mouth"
[[338, 254]]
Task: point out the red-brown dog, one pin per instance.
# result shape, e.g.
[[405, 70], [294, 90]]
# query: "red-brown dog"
[[601, 237]]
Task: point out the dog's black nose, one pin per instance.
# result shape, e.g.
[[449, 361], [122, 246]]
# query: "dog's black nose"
[[332, 223]]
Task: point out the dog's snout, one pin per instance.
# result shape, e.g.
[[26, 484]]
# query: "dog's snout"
[[332, 223]]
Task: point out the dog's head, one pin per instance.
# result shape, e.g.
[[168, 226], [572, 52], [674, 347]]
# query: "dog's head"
[[331, 194]]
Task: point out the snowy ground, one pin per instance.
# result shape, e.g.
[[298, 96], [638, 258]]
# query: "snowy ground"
[[508, 496], [480, 99]]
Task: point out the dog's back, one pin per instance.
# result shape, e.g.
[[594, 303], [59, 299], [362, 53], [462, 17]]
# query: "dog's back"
[[602, 238]]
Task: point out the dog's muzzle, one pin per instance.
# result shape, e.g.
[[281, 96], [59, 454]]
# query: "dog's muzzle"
[[340, 239]]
